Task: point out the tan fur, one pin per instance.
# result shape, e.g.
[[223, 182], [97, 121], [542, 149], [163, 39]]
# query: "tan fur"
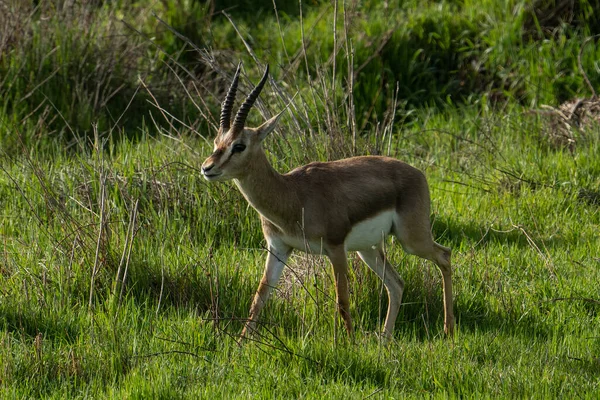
[[321, 203]]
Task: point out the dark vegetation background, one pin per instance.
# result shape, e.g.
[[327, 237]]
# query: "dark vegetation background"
[[66, 65]]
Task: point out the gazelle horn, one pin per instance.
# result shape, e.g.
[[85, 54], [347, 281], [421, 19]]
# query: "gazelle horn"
[[227, 104], [242, 114]]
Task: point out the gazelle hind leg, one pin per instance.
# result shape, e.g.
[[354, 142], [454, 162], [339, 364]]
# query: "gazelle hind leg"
[[415, 237], [443, 255], [394, 285]]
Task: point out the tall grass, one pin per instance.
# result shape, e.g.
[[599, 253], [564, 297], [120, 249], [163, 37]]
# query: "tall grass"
[[124, 274]]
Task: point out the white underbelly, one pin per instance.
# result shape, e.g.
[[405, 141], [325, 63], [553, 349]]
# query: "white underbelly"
[[370, 232], [364, 235]]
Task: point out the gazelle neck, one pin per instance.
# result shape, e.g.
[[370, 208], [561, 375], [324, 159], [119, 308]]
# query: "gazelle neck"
[[266, 190]]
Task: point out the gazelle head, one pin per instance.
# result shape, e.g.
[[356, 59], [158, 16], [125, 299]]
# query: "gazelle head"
[[236, 145]]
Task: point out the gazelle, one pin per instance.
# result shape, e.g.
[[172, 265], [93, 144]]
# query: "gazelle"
[[327, 208]]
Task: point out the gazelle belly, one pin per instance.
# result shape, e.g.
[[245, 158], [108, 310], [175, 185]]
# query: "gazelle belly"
[[304, 244], [370, 232], [365, 234]]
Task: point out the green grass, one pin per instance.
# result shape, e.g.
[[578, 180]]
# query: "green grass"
[[123, 274]]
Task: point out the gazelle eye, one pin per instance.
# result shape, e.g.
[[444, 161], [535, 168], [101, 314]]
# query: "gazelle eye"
[[238, 148]]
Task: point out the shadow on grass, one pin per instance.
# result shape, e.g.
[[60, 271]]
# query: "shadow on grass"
[[30, 322], [421, 314], [347, 364], [477, 316], [224, 295], [452, 234]]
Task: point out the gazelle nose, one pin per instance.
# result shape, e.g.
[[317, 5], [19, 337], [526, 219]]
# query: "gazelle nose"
[[207, 168]]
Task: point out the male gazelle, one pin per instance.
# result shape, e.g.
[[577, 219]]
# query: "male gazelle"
[[327, 208]]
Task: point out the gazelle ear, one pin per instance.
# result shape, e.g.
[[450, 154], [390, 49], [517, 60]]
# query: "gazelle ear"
[[267, 127]]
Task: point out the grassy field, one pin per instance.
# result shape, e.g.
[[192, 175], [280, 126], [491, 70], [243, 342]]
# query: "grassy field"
[[123, 274]]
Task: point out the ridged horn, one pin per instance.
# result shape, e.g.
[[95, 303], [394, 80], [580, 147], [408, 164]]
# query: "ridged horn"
[[242, 114], [227, 105]]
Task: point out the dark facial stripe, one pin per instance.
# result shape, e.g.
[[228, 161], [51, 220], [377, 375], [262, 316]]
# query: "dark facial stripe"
[[228, 158], [217, 154]]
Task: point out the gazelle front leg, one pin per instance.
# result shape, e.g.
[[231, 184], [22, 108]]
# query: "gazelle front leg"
[[339, 262], [274, 267]]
